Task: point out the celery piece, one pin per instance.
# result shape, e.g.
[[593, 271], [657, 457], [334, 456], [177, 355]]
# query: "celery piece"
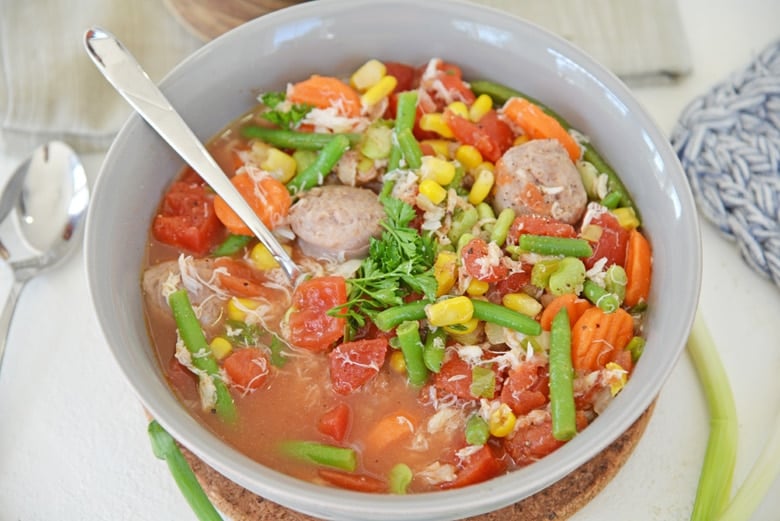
[[477, 430], [400, 478], [377, 141], [483, 382], [712, 494], [165, 448], [569, 277]]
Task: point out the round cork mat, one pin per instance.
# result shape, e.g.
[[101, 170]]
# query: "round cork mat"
[[558, 502], [208, 19]]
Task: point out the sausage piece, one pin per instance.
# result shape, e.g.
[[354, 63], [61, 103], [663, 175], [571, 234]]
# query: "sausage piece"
[[539, 177], [335, 222]]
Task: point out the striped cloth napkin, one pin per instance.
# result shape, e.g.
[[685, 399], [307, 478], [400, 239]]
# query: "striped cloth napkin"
[[49, 88]]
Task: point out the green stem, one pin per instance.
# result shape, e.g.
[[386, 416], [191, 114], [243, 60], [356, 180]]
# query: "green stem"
[[717, 472], [165, 448]]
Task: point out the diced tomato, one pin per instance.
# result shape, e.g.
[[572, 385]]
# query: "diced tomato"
[[247, 368], [186, 218], [405, 75], [612, 243], [357, 482], [335, 422], [478, 467], [455, 377], [240, 279], [475, 259], [310, 325], [491, 136], [535, 224], [352, 364], [535, 441], [525, 389], [513, 283]]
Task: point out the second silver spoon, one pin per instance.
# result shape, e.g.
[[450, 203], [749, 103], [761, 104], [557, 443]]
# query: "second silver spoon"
[[129, 79]]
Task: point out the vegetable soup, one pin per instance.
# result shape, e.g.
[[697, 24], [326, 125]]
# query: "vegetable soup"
[[476, 281]]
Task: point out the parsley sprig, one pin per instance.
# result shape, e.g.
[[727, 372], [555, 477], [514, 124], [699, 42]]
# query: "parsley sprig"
[[399, 263], [281, 115]]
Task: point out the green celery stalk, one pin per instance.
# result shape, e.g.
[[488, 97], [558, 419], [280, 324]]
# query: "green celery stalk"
[[714, 490]]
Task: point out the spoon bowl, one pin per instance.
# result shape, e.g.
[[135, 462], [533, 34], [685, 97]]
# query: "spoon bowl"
[[52, 195]]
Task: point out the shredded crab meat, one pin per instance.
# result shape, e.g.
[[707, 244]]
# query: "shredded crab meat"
[[598, 273], [437, 473], [207, 391]]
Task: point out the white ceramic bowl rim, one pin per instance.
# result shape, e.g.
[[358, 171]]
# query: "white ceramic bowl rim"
[[115, 289]]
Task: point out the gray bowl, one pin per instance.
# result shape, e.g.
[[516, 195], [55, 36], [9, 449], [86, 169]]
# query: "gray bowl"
[[219, 82]]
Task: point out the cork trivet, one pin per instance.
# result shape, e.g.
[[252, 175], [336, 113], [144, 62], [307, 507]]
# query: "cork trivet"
[[557, 502], [208, 19]]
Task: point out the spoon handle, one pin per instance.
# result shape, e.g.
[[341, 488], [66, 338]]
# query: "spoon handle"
[[8, 313], [123, 72]]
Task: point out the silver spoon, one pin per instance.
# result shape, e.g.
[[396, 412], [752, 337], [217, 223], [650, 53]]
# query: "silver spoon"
[[52, 197], [123, 72]]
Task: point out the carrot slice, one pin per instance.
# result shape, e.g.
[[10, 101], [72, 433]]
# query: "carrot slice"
[[538, 125], [598, 337], [268, 197], [639, 267], [358, 482], [324, 92], [574, 305], [389, 430]]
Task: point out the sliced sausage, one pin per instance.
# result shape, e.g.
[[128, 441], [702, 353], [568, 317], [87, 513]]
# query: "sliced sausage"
[[335, 221], [539, 177]]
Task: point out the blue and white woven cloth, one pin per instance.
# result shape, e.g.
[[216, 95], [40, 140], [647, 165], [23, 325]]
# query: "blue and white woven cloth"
[[728, 141]]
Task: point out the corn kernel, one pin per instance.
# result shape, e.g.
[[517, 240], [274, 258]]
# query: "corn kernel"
[[379, 91], [459, 108], [482, 186], [239, 308], [368, 74], [480, 107], [463, 328], [502, 421], [262, 258], [434, 122], [444, 272], [280, 165], [626, 217], [522, 303], [519, 140], [440, 146], [220, 347], [618, 377], [477, 288], [455, 310], [439, 170], [468, 156], [397, 362], [432, 190]]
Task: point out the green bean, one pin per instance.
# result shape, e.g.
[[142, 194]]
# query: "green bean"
[[202, 358], [503, 316], [568, 277], [405, 114], [636, 347], [389, 318], [434, 349], [562, 409], [294, 139], [503, 224], [232, 245], [500, 94], [603, 299], [165, 448], [485, 212], [412, 348], [548, 245], [462, 221], [342, 458], [316, 172], [410, 149], [477, 430], [611, 200], [400, 478]]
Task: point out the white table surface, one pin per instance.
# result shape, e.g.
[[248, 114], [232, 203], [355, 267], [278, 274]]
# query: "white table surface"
[[73, 443]]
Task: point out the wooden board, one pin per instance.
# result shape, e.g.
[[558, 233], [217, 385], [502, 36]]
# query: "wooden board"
[[208, 19], [557, 502]]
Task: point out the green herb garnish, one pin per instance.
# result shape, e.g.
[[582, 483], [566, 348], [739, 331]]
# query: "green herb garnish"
[[287, 118]]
